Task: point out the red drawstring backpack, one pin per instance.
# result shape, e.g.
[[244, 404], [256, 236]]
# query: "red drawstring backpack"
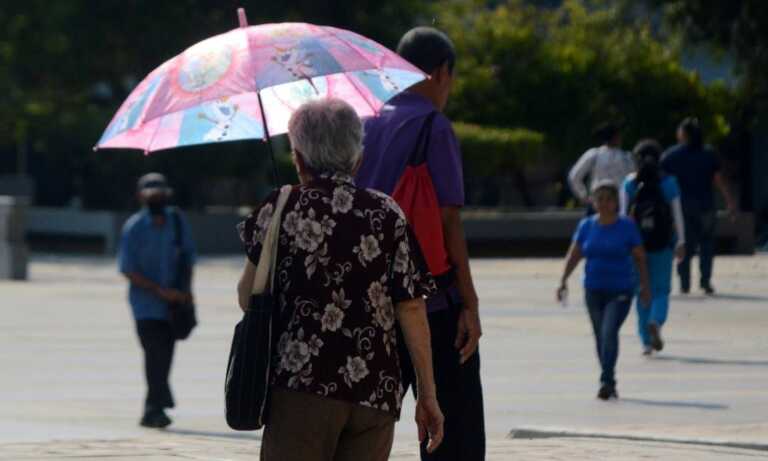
[[415, 193]]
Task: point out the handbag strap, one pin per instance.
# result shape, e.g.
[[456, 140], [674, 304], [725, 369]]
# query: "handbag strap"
[[265, 271]]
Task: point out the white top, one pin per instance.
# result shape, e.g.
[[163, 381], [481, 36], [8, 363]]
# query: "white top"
[[600, 163]]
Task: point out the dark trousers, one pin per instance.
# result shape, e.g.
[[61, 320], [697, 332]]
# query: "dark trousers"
[[459, 391], [157, 341], [607, 312], [699, 238]]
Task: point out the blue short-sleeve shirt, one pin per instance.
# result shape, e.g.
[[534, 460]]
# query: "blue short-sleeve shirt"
[[608, 253], [150, 251]]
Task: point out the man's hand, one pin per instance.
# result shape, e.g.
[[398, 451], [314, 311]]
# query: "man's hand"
[[680, 252], [468, 333], [173, 296], [429, 420]]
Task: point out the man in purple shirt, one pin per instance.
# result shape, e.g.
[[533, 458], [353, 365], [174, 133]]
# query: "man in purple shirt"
[[454, 321]]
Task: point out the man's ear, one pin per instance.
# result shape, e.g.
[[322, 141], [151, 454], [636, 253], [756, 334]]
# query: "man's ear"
[[441, 73]]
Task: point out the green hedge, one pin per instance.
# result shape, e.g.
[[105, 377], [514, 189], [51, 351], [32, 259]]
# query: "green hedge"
[[490, 151]]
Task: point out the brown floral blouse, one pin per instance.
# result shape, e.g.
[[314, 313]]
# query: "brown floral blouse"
[[345, 257]]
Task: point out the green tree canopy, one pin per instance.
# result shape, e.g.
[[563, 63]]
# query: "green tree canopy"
[[561, 71]]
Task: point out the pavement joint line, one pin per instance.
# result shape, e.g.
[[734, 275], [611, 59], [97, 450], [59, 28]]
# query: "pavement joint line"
[[534, 433]]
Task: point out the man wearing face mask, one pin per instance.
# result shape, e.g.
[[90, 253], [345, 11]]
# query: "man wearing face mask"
[[152, 241]]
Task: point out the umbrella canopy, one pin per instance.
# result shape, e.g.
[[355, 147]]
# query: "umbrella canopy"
[[246, 83]]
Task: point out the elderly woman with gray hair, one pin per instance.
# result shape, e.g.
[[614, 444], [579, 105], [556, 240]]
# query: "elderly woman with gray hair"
[[348, 268]]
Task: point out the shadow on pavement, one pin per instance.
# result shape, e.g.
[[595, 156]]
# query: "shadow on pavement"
[[736, 297], [720, 297], [673, 404], [709, 361], [220, 435]]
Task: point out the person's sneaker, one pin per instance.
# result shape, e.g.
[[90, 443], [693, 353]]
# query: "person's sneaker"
[[647, 350], [655, 333], [155, 420], [607, 392], [708, 290]]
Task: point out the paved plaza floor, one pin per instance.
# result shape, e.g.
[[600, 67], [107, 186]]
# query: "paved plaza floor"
[[72, 386]]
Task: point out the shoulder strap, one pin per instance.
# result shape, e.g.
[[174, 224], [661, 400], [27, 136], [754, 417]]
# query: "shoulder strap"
[[419, 154], [265, 271]]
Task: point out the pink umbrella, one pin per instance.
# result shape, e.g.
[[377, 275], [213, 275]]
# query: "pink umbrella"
[[246, 83]]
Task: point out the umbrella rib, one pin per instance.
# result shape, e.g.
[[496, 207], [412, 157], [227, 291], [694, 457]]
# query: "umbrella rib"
[[350, 45], [362, 93]]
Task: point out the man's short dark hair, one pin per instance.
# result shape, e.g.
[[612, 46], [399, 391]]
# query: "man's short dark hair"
[[692, 129], [427, 48]]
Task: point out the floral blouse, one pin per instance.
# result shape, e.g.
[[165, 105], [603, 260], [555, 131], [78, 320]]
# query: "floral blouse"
[[345, 257]]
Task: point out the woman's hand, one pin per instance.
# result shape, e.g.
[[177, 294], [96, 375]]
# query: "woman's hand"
[[429, 419], [561, 291]]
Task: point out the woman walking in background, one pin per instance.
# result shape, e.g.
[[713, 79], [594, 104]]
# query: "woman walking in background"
[[609, 243], [652, 199]]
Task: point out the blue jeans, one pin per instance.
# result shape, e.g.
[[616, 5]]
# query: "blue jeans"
[[660, 274], [699, 238], [607, 311]]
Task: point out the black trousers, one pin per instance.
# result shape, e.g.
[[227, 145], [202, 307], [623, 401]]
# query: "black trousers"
[[158, 342], [699, 238], [459, 391]]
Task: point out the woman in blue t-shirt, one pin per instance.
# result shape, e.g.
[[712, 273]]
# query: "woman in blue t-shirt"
[[650, 321], [609, 243]]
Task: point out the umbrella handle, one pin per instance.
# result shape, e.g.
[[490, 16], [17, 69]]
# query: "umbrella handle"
[[241, 17]]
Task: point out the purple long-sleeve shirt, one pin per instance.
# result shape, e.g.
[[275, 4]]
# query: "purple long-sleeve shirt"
[[390, 139]]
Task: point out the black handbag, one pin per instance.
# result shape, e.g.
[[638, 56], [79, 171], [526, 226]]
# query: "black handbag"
[[246, 388], [182, 316]]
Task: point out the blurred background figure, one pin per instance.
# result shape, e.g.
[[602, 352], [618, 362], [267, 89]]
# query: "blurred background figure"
[[652, 199], [697, 170], [609, 243], [605, 162], [152, 241]]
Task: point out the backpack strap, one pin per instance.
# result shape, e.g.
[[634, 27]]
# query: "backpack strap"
[[419, 154]]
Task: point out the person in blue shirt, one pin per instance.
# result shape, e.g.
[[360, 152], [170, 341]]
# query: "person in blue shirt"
[[650, 321], [148, 259], [609, 243], [697, 170]]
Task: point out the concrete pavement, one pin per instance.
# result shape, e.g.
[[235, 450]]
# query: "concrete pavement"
[[72, 382]]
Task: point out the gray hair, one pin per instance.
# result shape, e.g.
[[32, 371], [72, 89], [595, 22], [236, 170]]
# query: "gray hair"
[[328, 135]]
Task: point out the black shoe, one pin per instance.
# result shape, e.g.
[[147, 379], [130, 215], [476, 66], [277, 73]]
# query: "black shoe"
[[684, 290], [655, 333], [155, 420], [708, 290], [607, 392]]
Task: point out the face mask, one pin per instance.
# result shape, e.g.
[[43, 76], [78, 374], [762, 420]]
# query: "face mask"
[[157, 208]]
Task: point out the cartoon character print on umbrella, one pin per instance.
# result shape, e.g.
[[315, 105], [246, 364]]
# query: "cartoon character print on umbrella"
[[203, 65], [219, 120], [300, 60]]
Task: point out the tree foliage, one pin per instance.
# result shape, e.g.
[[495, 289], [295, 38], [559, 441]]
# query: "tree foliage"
[[740, 27], [561, 71]]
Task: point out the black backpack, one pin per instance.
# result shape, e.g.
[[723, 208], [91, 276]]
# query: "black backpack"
[[653, 216]]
